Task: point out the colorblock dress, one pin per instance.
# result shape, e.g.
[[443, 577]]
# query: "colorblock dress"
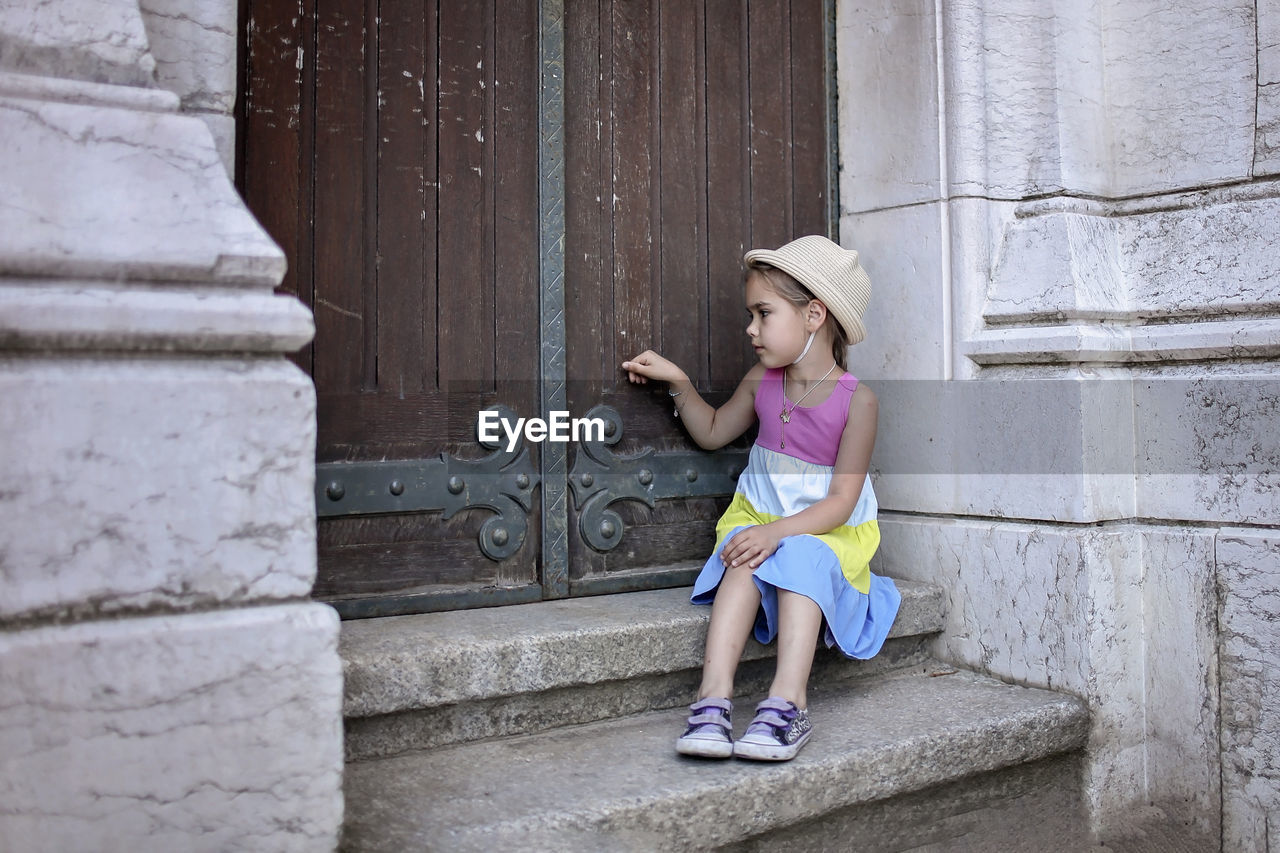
[[831, 568]]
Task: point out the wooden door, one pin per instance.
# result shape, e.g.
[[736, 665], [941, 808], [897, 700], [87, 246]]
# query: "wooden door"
[[398, 152], [391, 148]]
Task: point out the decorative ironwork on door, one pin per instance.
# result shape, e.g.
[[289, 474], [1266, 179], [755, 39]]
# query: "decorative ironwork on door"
[[600, 478]]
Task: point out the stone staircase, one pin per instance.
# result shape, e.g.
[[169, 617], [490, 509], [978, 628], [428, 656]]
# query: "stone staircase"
[[551, 726]]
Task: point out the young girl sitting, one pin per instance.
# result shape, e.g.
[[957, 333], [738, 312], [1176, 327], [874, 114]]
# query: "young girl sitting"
[[793, 547]]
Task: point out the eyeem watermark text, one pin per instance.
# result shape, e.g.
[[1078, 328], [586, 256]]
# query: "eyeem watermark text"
[[560, 427]]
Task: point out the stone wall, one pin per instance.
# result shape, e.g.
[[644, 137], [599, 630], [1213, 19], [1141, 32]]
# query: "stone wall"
[[1068, 214], [167, 684]]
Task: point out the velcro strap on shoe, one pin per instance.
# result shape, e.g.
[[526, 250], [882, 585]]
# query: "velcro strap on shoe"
[[711, 719], [769, 718]]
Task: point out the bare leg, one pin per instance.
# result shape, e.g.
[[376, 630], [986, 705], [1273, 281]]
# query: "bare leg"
[[799, 620], [733, 613]]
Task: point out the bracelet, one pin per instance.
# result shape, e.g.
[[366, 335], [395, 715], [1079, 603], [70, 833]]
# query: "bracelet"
[[675, 407]]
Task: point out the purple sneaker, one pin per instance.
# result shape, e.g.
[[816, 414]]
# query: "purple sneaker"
[[777, 733], [710, 731]]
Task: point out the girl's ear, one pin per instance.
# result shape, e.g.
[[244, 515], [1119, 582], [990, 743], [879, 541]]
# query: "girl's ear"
[[816, 315]]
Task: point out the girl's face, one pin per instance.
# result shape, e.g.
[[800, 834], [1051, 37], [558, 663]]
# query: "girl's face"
[[777, 328]]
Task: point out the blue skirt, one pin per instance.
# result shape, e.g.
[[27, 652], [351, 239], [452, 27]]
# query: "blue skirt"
[[856, 622]]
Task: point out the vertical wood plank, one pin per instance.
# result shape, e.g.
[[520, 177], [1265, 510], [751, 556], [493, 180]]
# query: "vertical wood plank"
[[769, 48], [588, 249], [339, 197], [698, 133], [728, 186], [608, 318], [431, 200], [682, 176], [634, 125], [808, 118], [369, 226], [465, 243], [515, 135], [517, 250], [401, 200], [655, 177]]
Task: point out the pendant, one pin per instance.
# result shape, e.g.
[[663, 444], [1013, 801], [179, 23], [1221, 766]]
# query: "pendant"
[[785, 415]]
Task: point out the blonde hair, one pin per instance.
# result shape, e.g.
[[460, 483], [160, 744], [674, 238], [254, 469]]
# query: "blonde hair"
[[786, 286]]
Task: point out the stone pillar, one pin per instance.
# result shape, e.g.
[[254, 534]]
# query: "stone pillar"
[[193, 43], [167, 683], [1074, 332]]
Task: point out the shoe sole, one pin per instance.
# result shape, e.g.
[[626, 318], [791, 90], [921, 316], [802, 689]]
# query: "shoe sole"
[[768, 752], [704, 748]]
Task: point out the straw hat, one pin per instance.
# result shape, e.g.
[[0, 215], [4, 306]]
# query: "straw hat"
[[831, 274]]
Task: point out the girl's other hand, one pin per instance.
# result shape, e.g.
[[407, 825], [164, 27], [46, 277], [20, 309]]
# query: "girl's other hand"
[[649, 365], [750, 547]]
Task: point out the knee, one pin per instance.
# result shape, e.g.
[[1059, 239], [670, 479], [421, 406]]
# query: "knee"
[[739, 579], [739, 574]]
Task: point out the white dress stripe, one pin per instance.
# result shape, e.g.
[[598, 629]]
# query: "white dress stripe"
[[782, 485]]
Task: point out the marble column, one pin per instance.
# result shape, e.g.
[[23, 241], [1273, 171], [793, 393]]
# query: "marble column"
[[167, 683]]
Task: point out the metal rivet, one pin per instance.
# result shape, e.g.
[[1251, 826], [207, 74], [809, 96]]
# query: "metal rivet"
[[610, 427], [690, 474], [522, 481], [586, 479], [646, 476], [335, 491], [456, 485], [608, 529], [499, 536], [396, 488]]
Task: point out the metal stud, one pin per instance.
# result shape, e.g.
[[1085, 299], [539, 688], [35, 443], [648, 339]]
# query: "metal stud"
[[334, 491], [646, 476], [396, 488], [456, 485]]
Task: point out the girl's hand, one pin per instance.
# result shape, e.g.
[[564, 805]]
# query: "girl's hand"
[[750, 547], [649, 365]]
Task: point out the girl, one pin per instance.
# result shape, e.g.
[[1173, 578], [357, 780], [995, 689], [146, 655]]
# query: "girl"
[[793, 547]]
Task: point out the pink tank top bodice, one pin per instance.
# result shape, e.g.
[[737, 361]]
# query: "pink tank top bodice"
[[814, 432]]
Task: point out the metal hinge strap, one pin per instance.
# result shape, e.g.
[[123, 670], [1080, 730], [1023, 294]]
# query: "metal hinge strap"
[[503, 481], [600, 477]]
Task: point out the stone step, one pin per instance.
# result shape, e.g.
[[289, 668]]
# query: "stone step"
[[414, 682], [897, 760]]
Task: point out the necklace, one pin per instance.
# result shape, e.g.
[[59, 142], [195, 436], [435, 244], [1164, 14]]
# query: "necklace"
[[785, 414]]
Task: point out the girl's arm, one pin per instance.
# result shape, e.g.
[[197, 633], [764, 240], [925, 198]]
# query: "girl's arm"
[[710, 427], [750, 547]]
